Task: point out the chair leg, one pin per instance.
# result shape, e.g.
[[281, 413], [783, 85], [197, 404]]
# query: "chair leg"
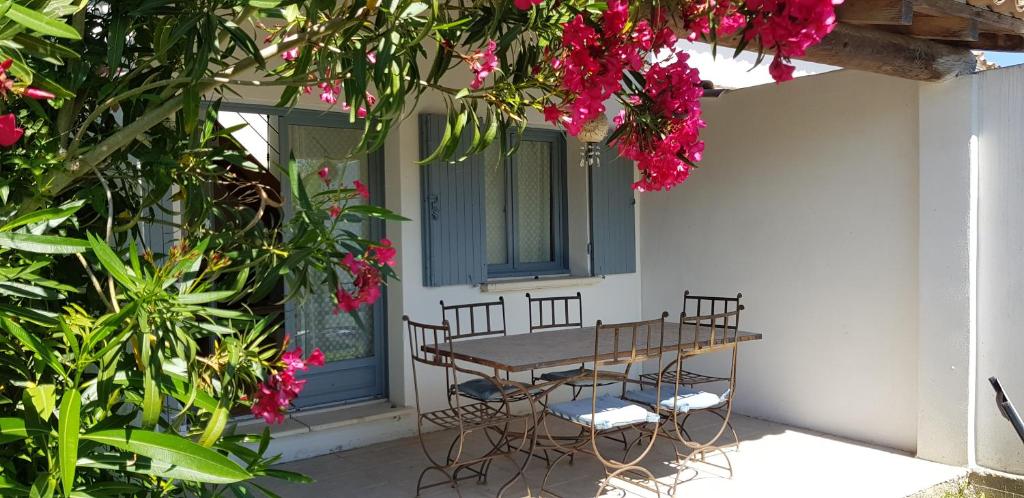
[[449, 479]]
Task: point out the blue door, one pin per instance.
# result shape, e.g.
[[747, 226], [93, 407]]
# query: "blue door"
[[355, 355]]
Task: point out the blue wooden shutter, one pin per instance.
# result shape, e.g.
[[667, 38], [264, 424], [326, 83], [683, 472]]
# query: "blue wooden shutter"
[[452, 212], [612, 220]]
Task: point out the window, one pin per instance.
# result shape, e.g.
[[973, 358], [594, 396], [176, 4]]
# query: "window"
[[525, 206]]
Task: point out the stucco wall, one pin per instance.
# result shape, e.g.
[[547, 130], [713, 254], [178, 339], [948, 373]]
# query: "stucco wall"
[[1000, 335], [807, 203]]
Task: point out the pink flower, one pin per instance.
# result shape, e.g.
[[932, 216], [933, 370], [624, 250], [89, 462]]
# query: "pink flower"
[[334, 211], [620, 117], [552, 114], [290, 54], [526, 4], [371, 56], [274, 395], [361, 112], [37, 94], [366, 280], [325, 175], [361, 188], [329, 93], [9, 131], [780, 71], [482, 63], [316, 358], [384, 253]]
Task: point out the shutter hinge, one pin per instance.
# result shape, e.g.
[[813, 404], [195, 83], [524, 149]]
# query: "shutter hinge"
[[590, 248]]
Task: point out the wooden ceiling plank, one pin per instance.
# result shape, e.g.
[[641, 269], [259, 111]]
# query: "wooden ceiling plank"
[[988, 20], [999, 42], [944, 28], [888, 12]]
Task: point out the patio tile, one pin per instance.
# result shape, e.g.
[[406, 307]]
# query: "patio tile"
[[773, 460]]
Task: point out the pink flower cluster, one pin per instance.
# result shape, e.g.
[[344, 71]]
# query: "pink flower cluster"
[[789, 27], [699, 16], [482, 63], [366, 282], [592, 61], [273, 396], [663, 154], [10, 133]]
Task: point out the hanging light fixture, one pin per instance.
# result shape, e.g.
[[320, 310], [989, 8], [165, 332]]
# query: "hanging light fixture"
[[591, 135]]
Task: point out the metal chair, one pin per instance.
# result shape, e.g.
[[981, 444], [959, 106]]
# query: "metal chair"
[[553, 313], [676, 402], [493, 420], [622, 344], [473, 321], [696, 308]]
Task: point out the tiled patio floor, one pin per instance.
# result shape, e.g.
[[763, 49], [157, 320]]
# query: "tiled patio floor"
[[773, 460]]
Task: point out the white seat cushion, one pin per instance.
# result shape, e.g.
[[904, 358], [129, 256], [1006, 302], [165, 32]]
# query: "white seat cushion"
[[611, 412]]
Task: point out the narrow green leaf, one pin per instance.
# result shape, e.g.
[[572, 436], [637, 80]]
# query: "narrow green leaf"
[[110, 261], [57, 213], [40, 23], [67, 437], [32, 343], [43, 244], [204, 464], [215, 426], [205, 297], [43, 399], [43, 487], [15, 429]]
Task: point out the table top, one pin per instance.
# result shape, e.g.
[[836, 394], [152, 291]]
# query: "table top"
[[564, 347]]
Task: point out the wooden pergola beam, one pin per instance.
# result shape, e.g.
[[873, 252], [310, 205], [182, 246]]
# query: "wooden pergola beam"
[[943, 28], [887, 12], [987, 19], [891, 54]]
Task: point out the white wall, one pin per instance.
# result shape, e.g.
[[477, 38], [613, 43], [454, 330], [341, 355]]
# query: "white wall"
[[1000, 335], [807, 203]]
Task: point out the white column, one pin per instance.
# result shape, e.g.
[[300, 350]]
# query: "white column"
[[946, 271]]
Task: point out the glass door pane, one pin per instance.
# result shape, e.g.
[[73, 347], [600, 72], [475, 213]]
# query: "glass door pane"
[[313, 321]]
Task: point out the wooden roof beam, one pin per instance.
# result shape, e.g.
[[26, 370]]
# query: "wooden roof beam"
[[891, 54], [988, 21], [888, 12], [943, 28]]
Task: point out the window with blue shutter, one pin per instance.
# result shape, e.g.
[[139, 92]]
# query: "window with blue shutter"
[[612, 215], [494, 215]]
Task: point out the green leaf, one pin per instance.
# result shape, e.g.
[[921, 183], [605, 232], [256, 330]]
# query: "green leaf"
[[57, 213], [43, 487], [264, 4], [215, 426], [43, 399], [205, 297], [110, 261], [204, 464], [15, 429], [43, 244], [33, 344], [18, 289], [40, 23], [67, 437], [138, 465]]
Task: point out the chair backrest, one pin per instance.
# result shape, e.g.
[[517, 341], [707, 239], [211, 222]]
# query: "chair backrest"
[[423, 334], [475, 319], [629, 342], [555, 312], [703, 308], [709, 331]]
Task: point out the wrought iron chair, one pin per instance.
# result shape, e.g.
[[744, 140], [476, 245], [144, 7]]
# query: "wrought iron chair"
[[621, 344], [473, 321], [677, 403], [559, 312], [493, 420], [694, 308]]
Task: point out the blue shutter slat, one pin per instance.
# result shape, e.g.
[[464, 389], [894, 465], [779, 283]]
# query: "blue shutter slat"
[[452, 200], [612, 219]]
